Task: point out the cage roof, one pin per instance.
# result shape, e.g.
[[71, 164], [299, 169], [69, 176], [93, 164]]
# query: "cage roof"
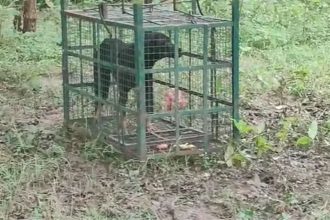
[[153, 17]]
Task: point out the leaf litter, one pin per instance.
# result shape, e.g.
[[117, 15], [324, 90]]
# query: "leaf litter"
[[292, 182]]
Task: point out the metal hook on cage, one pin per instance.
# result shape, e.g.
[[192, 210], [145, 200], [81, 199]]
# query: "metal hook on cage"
[[103, 12]]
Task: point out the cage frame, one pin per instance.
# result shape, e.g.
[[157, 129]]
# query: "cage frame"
[[139, 31]]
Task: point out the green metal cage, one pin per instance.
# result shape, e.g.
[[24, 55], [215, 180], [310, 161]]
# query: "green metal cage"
[[152, 79]]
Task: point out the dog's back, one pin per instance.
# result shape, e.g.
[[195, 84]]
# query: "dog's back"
[[156, 47]]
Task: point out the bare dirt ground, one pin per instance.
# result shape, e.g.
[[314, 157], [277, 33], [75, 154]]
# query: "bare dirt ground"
[[46, 176]]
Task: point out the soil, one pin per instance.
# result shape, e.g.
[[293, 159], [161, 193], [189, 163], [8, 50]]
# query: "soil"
[[292, 183]]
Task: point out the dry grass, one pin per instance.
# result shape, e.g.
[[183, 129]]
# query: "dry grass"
[[52, 179], [46, 175]]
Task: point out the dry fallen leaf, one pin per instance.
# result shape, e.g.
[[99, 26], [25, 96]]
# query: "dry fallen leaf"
[[186, 146], [279, 107]]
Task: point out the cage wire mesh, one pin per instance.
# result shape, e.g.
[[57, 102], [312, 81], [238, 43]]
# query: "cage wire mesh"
[[187, 70]]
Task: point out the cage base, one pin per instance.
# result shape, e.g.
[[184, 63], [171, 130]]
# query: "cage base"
[[127, 144]]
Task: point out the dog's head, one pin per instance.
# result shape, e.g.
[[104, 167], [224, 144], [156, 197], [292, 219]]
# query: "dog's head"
[[158, 46]]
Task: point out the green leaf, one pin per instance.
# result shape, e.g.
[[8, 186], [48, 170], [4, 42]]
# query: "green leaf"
[[304, 142], [282, 135], [301, 74], [246, 214], [49, 3], [239, 160], [262, 145], [285, 216], [312, 130], [327, 125], [243, 127], [35, 83]]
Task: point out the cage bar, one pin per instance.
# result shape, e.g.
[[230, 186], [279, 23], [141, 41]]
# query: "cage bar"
[[152, 79]]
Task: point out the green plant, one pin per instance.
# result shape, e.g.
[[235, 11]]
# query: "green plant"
[[307, 141], [298, 82], [21, 143], [246, 214], [34, 54], [8, 3], [210, 160], [92, 150], [254, 134], [285, 132], [47, 3], [6, 13], [236, 158]]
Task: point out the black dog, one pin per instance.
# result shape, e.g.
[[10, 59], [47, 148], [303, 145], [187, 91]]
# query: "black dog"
[[156, 47], [109, 51]]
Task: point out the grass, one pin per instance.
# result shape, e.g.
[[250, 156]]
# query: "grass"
[[284, 83], [34, 54]]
